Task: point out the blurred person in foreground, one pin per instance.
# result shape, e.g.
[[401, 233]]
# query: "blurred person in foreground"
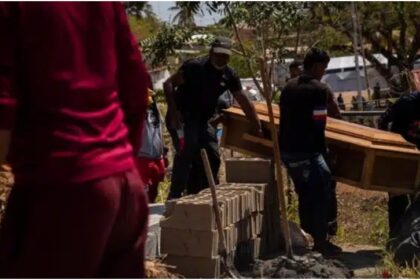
[[73, 95]]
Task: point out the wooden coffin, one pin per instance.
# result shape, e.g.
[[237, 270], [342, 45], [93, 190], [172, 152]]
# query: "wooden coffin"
[[360, 156]]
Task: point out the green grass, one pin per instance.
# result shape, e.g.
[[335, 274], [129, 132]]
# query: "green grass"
[[362, 220], [163, 191], [388, 268]]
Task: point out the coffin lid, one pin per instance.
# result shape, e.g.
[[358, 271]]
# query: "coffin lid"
[[343, 131]]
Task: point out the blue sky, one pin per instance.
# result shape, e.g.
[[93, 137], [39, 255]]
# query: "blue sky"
[[161, 9]]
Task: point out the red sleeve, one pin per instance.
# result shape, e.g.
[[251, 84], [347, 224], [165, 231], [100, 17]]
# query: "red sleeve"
[[133, 78], [8, 46]]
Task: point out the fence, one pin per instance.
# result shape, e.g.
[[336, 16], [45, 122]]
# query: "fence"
[[367, 118]]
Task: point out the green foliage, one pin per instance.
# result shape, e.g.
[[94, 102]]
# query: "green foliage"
[[277, 14], [292, 207], [335, 42], [139, 9], [389, 28], [162, 45], [186, 12], [163, 191], [238, 63], [218, 30], [160, 95], [389, 269], [276, 97], [143, 28]]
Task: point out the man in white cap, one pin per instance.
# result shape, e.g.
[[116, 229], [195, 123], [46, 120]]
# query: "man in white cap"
[[192, 94]]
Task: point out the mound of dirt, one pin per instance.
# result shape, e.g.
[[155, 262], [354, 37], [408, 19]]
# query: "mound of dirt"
[[310, 265]]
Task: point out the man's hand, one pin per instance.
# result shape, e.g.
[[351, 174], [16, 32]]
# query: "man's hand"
[[216, 120], [250, 112]]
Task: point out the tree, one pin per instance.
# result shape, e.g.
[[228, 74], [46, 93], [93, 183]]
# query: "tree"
[[140, 10], [238, 62], [164, 44], [271, 21], [186, 12], [143, 28], [389, 28]]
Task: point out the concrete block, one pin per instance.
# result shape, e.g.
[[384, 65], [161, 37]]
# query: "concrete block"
[[257, 193], [231, 238], [191, 243], [255, 245], [152, 248], [192, 215], [193, 267], [230, 199], [248, 170], [256, 222]]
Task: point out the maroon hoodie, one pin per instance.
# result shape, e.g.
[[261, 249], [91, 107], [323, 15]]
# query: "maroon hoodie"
[[73, 90]]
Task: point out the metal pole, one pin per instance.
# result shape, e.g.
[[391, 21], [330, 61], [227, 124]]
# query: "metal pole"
[[362, 52], [356, 58]]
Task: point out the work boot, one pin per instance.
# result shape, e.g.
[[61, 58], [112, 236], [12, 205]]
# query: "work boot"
[[327, 249]]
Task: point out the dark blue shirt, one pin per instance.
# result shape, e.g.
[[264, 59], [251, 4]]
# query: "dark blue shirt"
[[303, 115], [405, 118], [203, 85]]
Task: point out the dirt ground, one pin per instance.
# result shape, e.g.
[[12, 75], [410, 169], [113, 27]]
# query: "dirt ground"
[[362, 216], [363, 229]]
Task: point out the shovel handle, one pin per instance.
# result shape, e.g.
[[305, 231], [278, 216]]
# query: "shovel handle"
[[216, 209]]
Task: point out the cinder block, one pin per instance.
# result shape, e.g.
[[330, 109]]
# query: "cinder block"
[[193, 267], [191, 243], [255, 190], [248, 170], [255, 245], [236, 207], [259, 222], [192, 215]]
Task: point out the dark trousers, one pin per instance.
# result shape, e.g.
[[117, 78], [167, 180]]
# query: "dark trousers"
[[397, 206], [95, 229], [188, 171], [312, 179], [332, 210]]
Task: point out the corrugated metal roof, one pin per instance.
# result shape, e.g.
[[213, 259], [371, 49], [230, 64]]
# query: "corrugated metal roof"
[[343, 62]]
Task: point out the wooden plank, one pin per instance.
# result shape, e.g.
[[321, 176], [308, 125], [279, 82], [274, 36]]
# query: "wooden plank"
[[358, 146], [338, 126], [368, 167], [257, 140]]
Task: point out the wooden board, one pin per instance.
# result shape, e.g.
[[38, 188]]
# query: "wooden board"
[[361, 156]]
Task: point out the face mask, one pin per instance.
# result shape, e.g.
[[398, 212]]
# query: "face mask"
[[218, 67]]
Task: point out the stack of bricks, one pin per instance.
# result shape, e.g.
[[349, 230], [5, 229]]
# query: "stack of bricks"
[[189, 235]]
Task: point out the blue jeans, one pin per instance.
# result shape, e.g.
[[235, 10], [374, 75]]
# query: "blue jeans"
[[312, 179]]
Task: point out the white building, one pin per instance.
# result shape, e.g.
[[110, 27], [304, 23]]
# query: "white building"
[[159, 75], [341, 74]]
